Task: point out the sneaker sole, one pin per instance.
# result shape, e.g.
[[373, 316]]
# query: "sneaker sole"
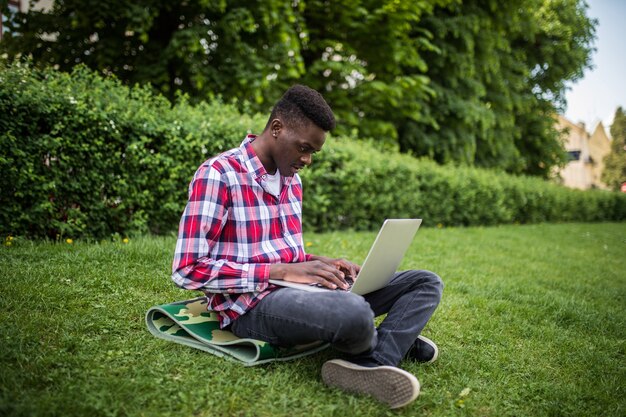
[[387, 384], [431, 343]]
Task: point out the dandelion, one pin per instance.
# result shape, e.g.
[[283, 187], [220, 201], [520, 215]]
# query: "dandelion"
[[125, 240], [439, 225], [309, 244], [69, 241]]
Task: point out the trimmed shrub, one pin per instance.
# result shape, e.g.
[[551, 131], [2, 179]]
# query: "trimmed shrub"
[[84, 156], [352, 185]]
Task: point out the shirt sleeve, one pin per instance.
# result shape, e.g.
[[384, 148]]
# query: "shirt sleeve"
[[199, 231]]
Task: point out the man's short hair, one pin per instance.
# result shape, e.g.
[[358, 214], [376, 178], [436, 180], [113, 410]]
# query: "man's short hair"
[[300, 103]]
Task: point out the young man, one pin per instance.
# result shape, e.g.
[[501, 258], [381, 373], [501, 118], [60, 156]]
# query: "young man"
[[242, 226]]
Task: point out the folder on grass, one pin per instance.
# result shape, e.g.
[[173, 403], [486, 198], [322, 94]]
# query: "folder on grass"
[[189, 323]]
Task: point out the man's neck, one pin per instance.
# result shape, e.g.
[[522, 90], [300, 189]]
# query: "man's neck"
[[262, 147]]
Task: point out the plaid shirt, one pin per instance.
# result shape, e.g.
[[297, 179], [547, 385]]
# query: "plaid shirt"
[[232, 229]]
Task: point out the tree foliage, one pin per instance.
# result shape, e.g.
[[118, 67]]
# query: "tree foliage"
[[614, 174], [463, 81], [498, 71], [200, 47]]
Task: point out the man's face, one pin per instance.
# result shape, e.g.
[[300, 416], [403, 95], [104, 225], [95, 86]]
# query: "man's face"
[[295, 147]]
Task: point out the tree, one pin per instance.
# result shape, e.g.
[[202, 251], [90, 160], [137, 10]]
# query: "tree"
[[368, 62], [199, 47], [498, 71], [614, 174], [246, 50], [464, 81]]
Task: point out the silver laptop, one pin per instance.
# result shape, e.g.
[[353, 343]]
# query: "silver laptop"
[[382, 261]]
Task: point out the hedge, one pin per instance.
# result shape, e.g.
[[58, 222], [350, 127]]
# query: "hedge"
[[84, 156], [353, 185]]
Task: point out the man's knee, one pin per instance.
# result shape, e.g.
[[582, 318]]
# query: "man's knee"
[[436, 281], [357, 313], [428, 280]]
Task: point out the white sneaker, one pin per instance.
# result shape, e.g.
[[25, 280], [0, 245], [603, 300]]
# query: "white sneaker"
[[387, 384]]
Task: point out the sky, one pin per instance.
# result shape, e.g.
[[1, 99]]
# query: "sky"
[[602, 89]]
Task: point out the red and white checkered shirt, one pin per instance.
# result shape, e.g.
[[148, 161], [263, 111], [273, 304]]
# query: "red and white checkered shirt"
[[232, 229]]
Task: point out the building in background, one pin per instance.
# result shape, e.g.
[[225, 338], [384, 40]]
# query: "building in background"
[[586, 154]]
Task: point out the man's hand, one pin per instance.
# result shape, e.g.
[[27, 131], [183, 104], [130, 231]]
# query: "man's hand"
[[350, 269], [313, 272]]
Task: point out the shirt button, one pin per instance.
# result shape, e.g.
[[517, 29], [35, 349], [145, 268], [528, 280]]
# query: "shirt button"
[[258, 287]]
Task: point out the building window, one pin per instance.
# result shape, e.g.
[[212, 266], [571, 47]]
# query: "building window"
[[13, 8], [573, 155]]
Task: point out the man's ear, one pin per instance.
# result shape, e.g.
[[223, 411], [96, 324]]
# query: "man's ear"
[[275, 127]]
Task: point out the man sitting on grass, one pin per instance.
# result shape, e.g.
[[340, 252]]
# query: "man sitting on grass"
[[242, 226]]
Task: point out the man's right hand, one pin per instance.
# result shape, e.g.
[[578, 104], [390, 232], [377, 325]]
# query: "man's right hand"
[[313, 272]]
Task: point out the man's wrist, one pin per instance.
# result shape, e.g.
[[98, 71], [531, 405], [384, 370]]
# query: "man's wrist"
[[277, 271]]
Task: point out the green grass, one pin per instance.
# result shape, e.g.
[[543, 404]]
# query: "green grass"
[[532, 323]]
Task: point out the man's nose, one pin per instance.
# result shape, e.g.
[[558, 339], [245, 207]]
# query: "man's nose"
[[306, 159]]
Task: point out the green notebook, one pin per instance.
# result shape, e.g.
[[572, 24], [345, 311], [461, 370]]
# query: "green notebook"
[[189, 323]]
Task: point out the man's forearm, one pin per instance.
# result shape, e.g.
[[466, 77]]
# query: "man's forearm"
[[227, 277]]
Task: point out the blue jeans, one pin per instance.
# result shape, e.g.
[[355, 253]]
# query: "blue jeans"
[[288, 317]]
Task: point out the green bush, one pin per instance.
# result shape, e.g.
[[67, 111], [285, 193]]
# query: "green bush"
[[84, 156], [352, 185]]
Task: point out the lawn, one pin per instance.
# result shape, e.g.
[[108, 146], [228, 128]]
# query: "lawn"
[[532, 323]]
